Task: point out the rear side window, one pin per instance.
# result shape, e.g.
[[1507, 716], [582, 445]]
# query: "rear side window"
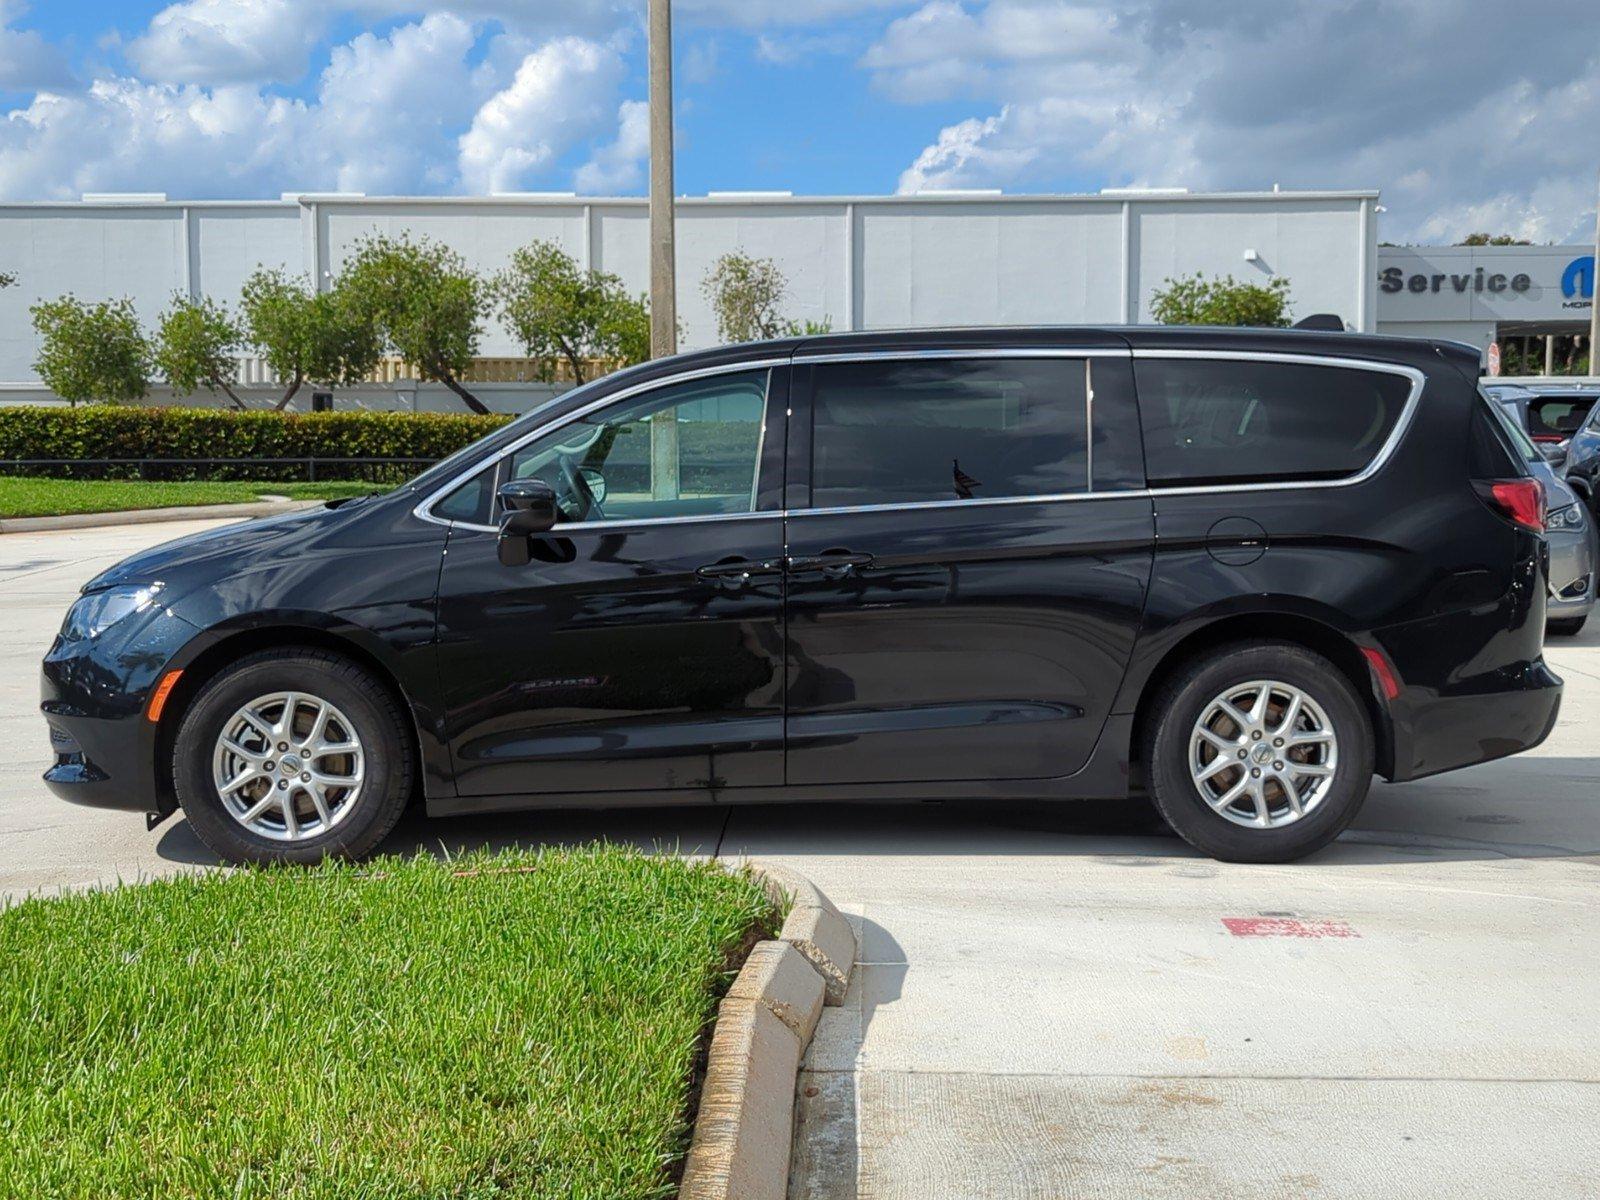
[[899, 432], [1496, 443], [1241, 421]]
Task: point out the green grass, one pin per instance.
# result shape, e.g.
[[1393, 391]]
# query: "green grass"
[[518, 1025], [26, 496]]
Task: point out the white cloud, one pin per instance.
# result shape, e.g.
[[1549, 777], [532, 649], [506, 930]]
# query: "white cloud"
[[617, 168], [1307, 93], [229, 41], [963, 153], [389, 107], [383, 120], [562, 95], [27, 61]]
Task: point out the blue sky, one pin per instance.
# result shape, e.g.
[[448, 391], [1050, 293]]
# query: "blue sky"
[[230, 98]]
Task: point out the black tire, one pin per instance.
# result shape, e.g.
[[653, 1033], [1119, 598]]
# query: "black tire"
[[1180, 705], [1565, 626], [378, 722]]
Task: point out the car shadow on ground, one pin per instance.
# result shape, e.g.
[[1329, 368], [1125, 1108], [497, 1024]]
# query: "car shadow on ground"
[[1528, 807]]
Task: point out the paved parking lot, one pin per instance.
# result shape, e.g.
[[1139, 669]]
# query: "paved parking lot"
[[1062, 1002]]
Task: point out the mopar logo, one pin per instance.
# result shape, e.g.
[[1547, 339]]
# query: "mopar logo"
[[1578, 278]]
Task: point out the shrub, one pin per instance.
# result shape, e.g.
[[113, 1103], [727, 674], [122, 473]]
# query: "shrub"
[[305, 335], [176, 433], [746, 294], [91, 351], [426, 303], [555, 308], [196, 346], [1196, 300]]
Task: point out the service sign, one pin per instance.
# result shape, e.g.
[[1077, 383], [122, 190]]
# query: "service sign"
[[1485, 283]]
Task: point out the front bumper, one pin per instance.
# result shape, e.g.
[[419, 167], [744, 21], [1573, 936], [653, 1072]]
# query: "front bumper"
[[104, 763], [1572, 574], [93, 694]]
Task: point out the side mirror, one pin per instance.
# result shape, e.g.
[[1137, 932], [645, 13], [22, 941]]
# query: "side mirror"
[[530, 509]]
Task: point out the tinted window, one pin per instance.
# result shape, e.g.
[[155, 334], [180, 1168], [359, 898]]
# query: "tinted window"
[[1492, 451], [899, 432], [692, 449], [1552, 416], [471, 502], [1227, 421]]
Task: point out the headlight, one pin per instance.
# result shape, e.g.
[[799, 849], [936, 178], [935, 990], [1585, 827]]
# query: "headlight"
[[1567, 517], [97, 612]]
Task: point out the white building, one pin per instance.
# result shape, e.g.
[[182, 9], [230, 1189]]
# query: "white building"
[[855, 262]]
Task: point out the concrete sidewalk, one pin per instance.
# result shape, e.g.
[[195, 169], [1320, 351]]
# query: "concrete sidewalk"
[[1056, 1002]]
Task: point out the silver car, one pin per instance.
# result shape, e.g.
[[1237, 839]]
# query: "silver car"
[[1570, 531]]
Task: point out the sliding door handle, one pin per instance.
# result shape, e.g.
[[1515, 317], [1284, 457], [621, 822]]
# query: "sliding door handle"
[[736, 572], [833, 564]]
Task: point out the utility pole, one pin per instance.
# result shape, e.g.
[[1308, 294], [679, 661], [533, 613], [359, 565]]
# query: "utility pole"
[[663, 253], [1594, 291], [664, 452]]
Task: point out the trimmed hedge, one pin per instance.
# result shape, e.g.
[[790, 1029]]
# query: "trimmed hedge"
[[105, 431]]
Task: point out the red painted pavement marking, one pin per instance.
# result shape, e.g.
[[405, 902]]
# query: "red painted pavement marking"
[[1288, 927]]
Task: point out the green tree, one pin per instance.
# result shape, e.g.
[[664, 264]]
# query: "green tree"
[[427, 305], [559, 311], [746, 294], [1196, 300], [197, 344], [1498, 239], [91, 351], [306, 336]]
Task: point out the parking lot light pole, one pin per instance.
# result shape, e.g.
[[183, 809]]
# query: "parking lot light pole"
[[663, 254], [1594, 289]]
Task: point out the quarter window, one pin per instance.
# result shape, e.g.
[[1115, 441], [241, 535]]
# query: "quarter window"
[[472, 502], [897, 432], [1240, 421], [690, 449]]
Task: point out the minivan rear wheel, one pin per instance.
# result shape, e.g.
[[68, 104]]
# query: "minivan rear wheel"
[[292, 756], [1259, 752]]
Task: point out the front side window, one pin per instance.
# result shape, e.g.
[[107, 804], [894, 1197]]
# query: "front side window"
[[1217, 421], [899, 432], [690, 449]]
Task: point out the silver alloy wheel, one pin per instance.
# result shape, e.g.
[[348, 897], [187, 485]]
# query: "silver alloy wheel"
[[1263, 754], [288, 766]]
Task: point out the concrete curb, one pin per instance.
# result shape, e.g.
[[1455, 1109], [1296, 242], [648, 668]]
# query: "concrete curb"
[[150, 516], [814, 926], [743, 1134]]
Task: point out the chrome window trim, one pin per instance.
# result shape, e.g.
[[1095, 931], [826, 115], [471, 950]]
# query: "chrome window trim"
[[1379, 460], [1376, 464], [974, 352], [975, 502], [424, 510]]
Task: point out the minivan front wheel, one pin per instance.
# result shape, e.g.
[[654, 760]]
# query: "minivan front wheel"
[[292, 756], [1261, 752]]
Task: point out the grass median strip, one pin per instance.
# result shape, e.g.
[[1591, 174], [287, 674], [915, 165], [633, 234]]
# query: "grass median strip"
[[512, 1025], [28, 496]]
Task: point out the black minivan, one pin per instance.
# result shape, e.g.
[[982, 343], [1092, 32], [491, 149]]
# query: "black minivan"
[[1241, 571]]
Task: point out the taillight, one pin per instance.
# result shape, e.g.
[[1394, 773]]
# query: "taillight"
[[1521, 501], [1549, 437]]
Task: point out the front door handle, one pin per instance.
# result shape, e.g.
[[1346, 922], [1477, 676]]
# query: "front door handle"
[[833, 564], [736, 572]]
